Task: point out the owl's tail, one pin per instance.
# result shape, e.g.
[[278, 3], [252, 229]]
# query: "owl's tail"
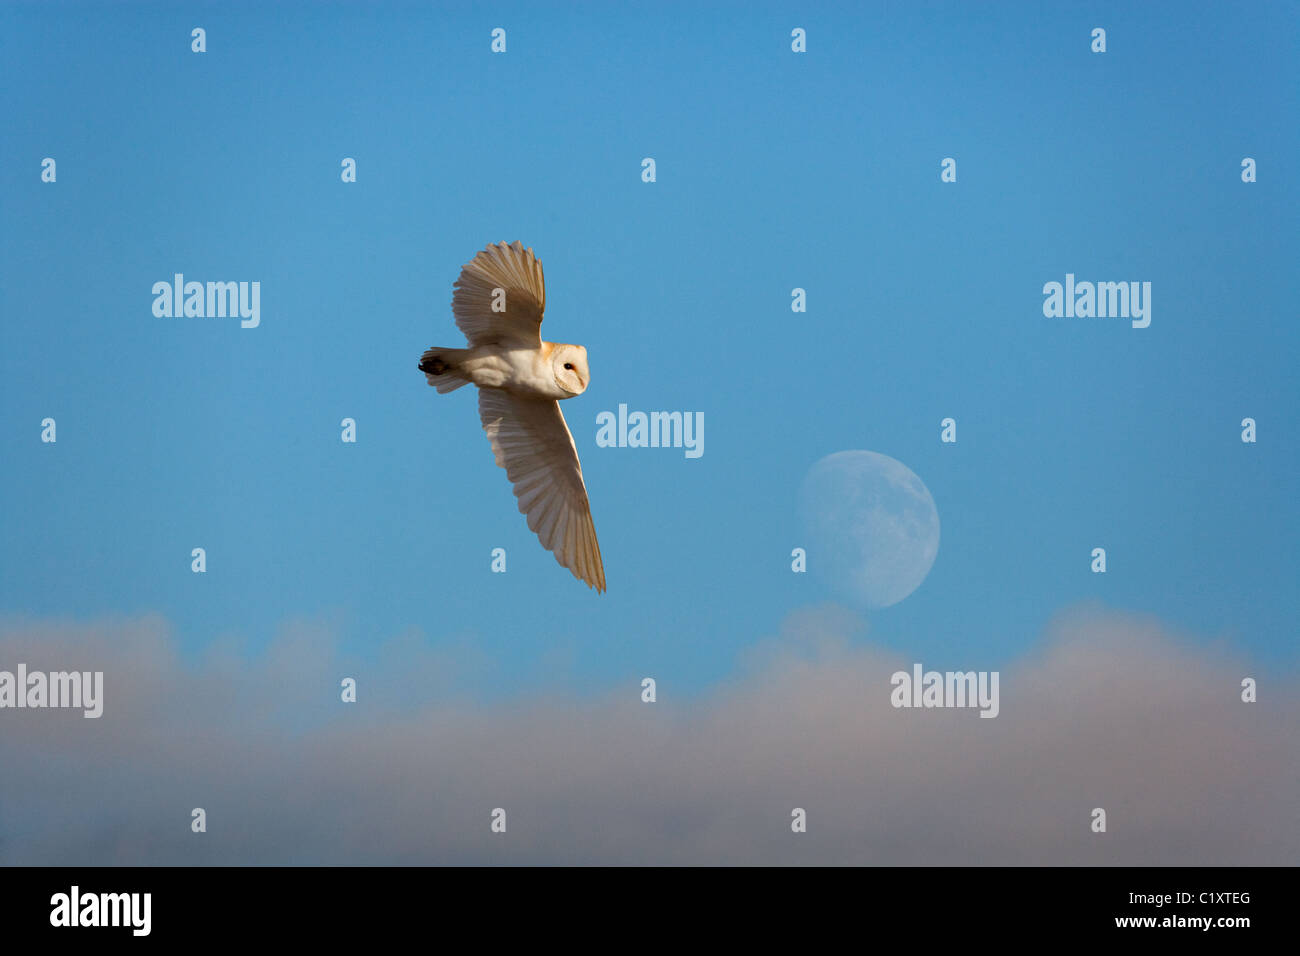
[[440, 368]]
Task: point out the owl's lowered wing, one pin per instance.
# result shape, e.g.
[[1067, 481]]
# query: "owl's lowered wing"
[[518, 274], [533, 444]]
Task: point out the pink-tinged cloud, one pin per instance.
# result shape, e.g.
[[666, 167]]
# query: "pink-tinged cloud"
[[1112, 710]]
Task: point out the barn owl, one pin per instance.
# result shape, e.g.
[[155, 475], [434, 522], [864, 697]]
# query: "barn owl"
[[498, 303]]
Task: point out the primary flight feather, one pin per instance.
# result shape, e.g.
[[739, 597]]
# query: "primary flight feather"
[[498, 303]]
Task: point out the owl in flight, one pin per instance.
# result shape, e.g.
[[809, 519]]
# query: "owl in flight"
[[498, 304]]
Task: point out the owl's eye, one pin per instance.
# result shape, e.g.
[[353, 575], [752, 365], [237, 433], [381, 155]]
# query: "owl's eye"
[[569, 366]]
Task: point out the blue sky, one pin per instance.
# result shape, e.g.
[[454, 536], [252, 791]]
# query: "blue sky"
[[775, 170]]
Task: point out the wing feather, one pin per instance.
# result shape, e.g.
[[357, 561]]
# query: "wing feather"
[[518, 273], [531, 441]]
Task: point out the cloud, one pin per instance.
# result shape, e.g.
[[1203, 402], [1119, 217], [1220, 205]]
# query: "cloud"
[[1111, 710]]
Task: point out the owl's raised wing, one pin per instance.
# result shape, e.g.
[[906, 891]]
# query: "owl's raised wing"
[[517, 273], [533, 444]]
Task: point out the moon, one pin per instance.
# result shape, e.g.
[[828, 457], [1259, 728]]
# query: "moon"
[[872, 527]]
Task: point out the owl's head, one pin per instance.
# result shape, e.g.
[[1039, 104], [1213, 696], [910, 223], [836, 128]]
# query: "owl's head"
[[569, 362]]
